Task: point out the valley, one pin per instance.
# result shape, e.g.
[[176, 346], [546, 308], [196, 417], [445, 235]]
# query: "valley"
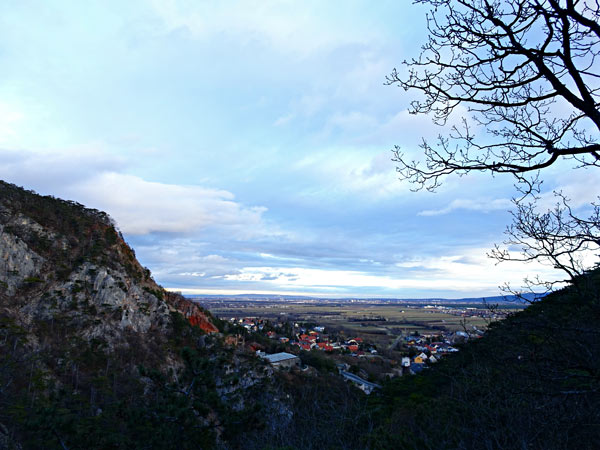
[[379, 321]]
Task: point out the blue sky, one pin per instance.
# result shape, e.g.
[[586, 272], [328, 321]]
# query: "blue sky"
[[246, 146]]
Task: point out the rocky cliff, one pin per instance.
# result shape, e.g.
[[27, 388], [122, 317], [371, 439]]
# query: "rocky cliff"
[[59, 257], [95, 354]]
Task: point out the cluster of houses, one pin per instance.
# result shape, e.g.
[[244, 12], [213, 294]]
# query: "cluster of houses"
[[425, 349], [423, 344], [315, 339], [249, 323], [430, 352]]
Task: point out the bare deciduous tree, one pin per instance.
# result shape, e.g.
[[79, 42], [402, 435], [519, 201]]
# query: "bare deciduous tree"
[[527, 72]]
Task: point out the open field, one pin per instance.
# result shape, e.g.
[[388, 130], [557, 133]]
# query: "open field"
[[380, 323]]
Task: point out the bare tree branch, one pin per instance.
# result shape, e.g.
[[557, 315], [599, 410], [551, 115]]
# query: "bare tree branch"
[[559, 237], [527, 72]]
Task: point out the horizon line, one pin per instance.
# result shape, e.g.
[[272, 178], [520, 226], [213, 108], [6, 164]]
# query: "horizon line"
[[236, 293]]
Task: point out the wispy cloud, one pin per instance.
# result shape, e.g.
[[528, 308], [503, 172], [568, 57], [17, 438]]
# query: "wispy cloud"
[[139, 206], [286, 26], [355, 171], [9, 120], [283, 120], [142, 207], [481, 205], [474, 274]]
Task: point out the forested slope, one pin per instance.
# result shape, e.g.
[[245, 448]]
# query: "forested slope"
[[533, 381]]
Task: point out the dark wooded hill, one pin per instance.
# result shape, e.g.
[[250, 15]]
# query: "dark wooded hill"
[[531, 382]]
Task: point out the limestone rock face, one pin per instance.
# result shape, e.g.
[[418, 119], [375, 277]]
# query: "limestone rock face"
[[17, 262], [58, 258]]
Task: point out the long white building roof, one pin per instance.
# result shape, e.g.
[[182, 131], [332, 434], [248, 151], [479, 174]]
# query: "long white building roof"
[[278, 357]]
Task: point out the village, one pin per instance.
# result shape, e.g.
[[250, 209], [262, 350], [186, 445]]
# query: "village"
[[310, 347]]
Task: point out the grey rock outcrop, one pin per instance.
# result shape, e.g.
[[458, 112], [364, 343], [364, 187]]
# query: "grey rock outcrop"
[[17, 262], [45, 274]]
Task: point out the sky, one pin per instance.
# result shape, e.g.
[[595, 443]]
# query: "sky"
[[245, 147]]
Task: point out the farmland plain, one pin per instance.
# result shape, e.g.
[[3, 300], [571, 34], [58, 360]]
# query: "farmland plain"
[[380, 322]]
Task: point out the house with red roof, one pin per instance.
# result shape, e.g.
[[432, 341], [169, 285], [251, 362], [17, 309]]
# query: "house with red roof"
[[325, 346]]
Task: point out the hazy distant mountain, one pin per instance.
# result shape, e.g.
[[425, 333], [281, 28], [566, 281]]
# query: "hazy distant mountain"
[[527, 297]]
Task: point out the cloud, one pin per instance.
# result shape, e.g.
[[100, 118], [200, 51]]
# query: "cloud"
[[471, 269], [9, 120], [575, 184], [380, 164], [57, 172], [481, 205], [142, 207], [350, 121], [139, 206], [195, 237], [351, 171], [292, 96], [283, 120], [284, 26], [471, 272]]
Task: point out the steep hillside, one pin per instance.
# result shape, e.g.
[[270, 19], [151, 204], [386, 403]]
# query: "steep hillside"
[[95, 354], [532, 382], [60, 257]]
